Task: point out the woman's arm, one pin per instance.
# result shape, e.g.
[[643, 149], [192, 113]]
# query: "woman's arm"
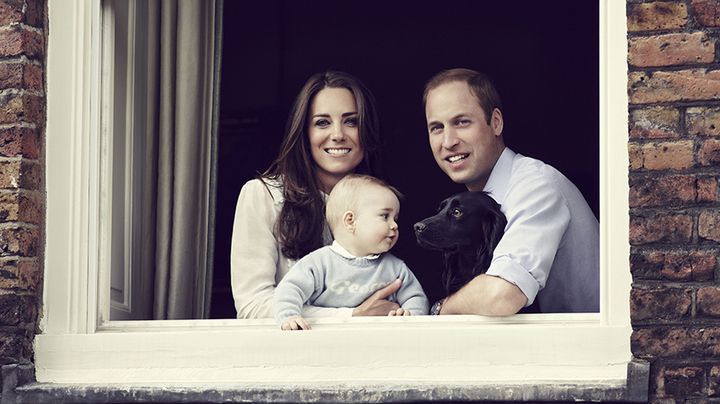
[[254, 252]]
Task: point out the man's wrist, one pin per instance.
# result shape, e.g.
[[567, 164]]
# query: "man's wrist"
[[437, 307]]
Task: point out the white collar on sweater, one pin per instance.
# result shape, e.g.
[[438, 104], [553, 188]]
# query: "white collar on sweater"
[[335, 246]]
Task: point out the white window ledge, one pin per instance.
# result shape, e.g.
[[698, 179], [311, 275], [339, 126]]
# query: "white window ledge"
[[434, 358], [536, 357]]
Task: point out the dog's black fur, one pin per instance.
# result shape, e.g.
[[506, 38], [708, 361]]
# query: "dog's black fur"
[[466, 229]]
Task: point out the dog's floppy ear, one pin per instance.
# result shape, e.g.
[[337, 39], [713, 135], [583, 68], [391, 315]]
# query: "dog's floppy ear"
[[492, 228]]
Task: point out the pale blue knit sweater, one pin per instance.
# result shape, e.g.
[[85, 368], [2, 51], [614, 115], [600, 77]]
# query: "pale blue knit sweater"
[[327, 279]]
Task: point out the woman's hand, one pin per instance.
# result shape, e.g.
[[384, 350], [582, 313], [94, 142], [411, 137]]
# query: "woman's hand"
[[376, 304]]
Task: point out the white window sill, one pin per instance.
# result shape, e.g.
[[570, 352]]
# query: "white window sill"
[[523, 357], [445, 352]]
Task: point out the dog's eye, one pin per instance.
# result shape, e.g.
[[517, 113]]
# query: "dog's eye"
[[456, 212]]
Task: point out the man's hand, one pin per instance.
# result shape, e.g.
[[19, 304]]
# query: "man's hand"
[[295, 323], [376, 304], [399, 312]]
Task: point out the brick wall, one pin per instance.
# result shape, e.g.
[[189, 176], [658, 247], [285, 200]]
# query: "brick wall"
[[22, 116], [674, 93]]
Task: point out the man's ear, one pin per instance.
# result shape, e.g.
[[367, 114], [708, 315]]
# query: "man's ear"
[[496, 122], [348, 220]]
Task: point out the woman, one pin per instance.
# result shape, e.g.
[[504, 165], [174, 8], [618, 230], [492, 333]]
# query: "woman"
[[332, 131]]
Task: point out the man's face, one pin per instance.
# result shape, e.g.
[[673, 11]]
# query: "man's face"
[[465, 146]]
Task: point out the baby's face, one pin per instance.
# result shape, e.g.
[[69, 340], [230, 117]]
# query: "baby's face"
[[376, 228]]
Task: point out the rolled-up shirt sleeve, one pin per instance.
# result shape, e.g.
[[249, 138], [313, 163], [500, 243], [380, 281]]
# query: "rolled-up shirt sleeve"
[[538, 216]]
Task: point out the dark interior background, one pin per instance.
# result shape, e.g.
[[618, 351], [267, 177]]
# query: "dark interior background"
[[543, 56]]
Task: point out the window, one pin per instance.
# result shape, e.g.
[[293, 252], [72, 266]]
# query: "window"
[[77, 346]]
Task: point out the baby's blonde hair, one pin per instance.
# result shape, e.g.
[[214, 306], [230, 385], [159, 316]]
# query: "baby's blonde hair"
[[346, 194]]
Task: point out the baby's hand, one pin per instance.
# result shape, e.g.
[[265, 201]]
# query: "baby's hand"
[[295, 323], [399, 312]]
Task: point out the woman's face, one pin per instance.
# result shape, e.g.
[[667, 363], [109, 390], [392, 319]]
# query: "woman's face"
[[334, 136]]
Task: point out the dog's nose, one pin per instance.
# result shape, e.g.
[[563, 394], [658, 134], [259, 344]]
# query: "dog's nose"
[[419, 227]]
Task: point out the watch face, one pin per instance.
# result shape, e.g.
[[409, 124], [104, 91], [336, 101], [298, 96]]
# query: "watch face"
[[435, 310]]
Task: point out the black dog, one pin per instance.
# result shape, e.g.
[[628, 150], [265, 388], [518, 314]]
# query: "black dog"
[[466, 229]]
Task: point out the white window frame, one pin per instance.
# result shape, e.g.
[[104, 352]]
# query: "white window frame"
[[76, 346]]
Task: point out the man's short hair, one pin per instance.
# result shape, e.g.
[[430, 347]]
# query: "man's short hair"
[[481, 86], [346, 194]]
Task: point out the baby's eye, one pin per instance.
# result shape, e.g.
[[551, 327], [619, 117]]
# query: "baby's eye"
[[385, 216], [455, 212]]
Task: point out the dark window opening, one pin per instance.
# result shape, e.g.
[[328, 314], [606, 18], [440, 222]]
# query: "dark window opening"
[[544, 58]]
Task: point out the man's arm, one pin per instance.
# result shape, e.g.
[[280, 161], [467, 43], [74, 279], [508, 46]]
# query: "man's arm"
[[485, 295]]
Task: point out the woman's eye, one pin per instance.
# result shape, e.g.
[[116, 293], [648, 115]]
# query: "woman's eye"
[[322, 123], [456, 212], [351, 121]]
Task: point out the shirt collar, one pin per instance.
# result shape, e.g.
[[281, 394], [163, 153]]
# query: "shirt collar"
[[335, 246], [497, 183]]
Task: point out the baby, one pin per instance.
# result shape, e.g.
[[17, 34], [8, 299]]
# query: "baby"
[[362, 212]]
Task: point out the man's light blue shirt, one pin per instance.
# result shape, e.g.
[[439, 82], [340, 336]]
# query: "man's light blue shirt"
[[550, 248]]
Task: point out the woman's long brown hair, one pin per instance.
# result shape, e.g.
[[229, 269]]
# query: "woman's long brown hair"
[[299, 227]]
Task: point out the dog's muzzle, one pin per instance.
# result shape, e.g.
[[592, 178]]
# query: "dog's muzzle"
[[426, 239]]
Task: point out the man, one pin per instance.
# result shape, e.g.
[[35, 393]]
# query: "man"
[[550, 249]]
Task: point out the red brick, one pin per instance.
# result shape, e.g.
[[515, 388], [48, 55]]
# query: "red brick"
[[708, 302], [20, 207], [661, 228], [709, 338], [19, 107], [671, 190], [675, 342], [20, 241], [19, 142], [669, 86], [11, 11], [709, 153], [662, 342], [15, 346], [706, 12], [656, 15], [681, 381], [653, 123], [660, 304], [703, 121], [676, 155], [21, 41], [709, 225], [34, 13], [707, 189], [714, 381], [20, 275], [671, 49], [17, 309], [26, 76], [635, 155], [21, 174], [690, 265]]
